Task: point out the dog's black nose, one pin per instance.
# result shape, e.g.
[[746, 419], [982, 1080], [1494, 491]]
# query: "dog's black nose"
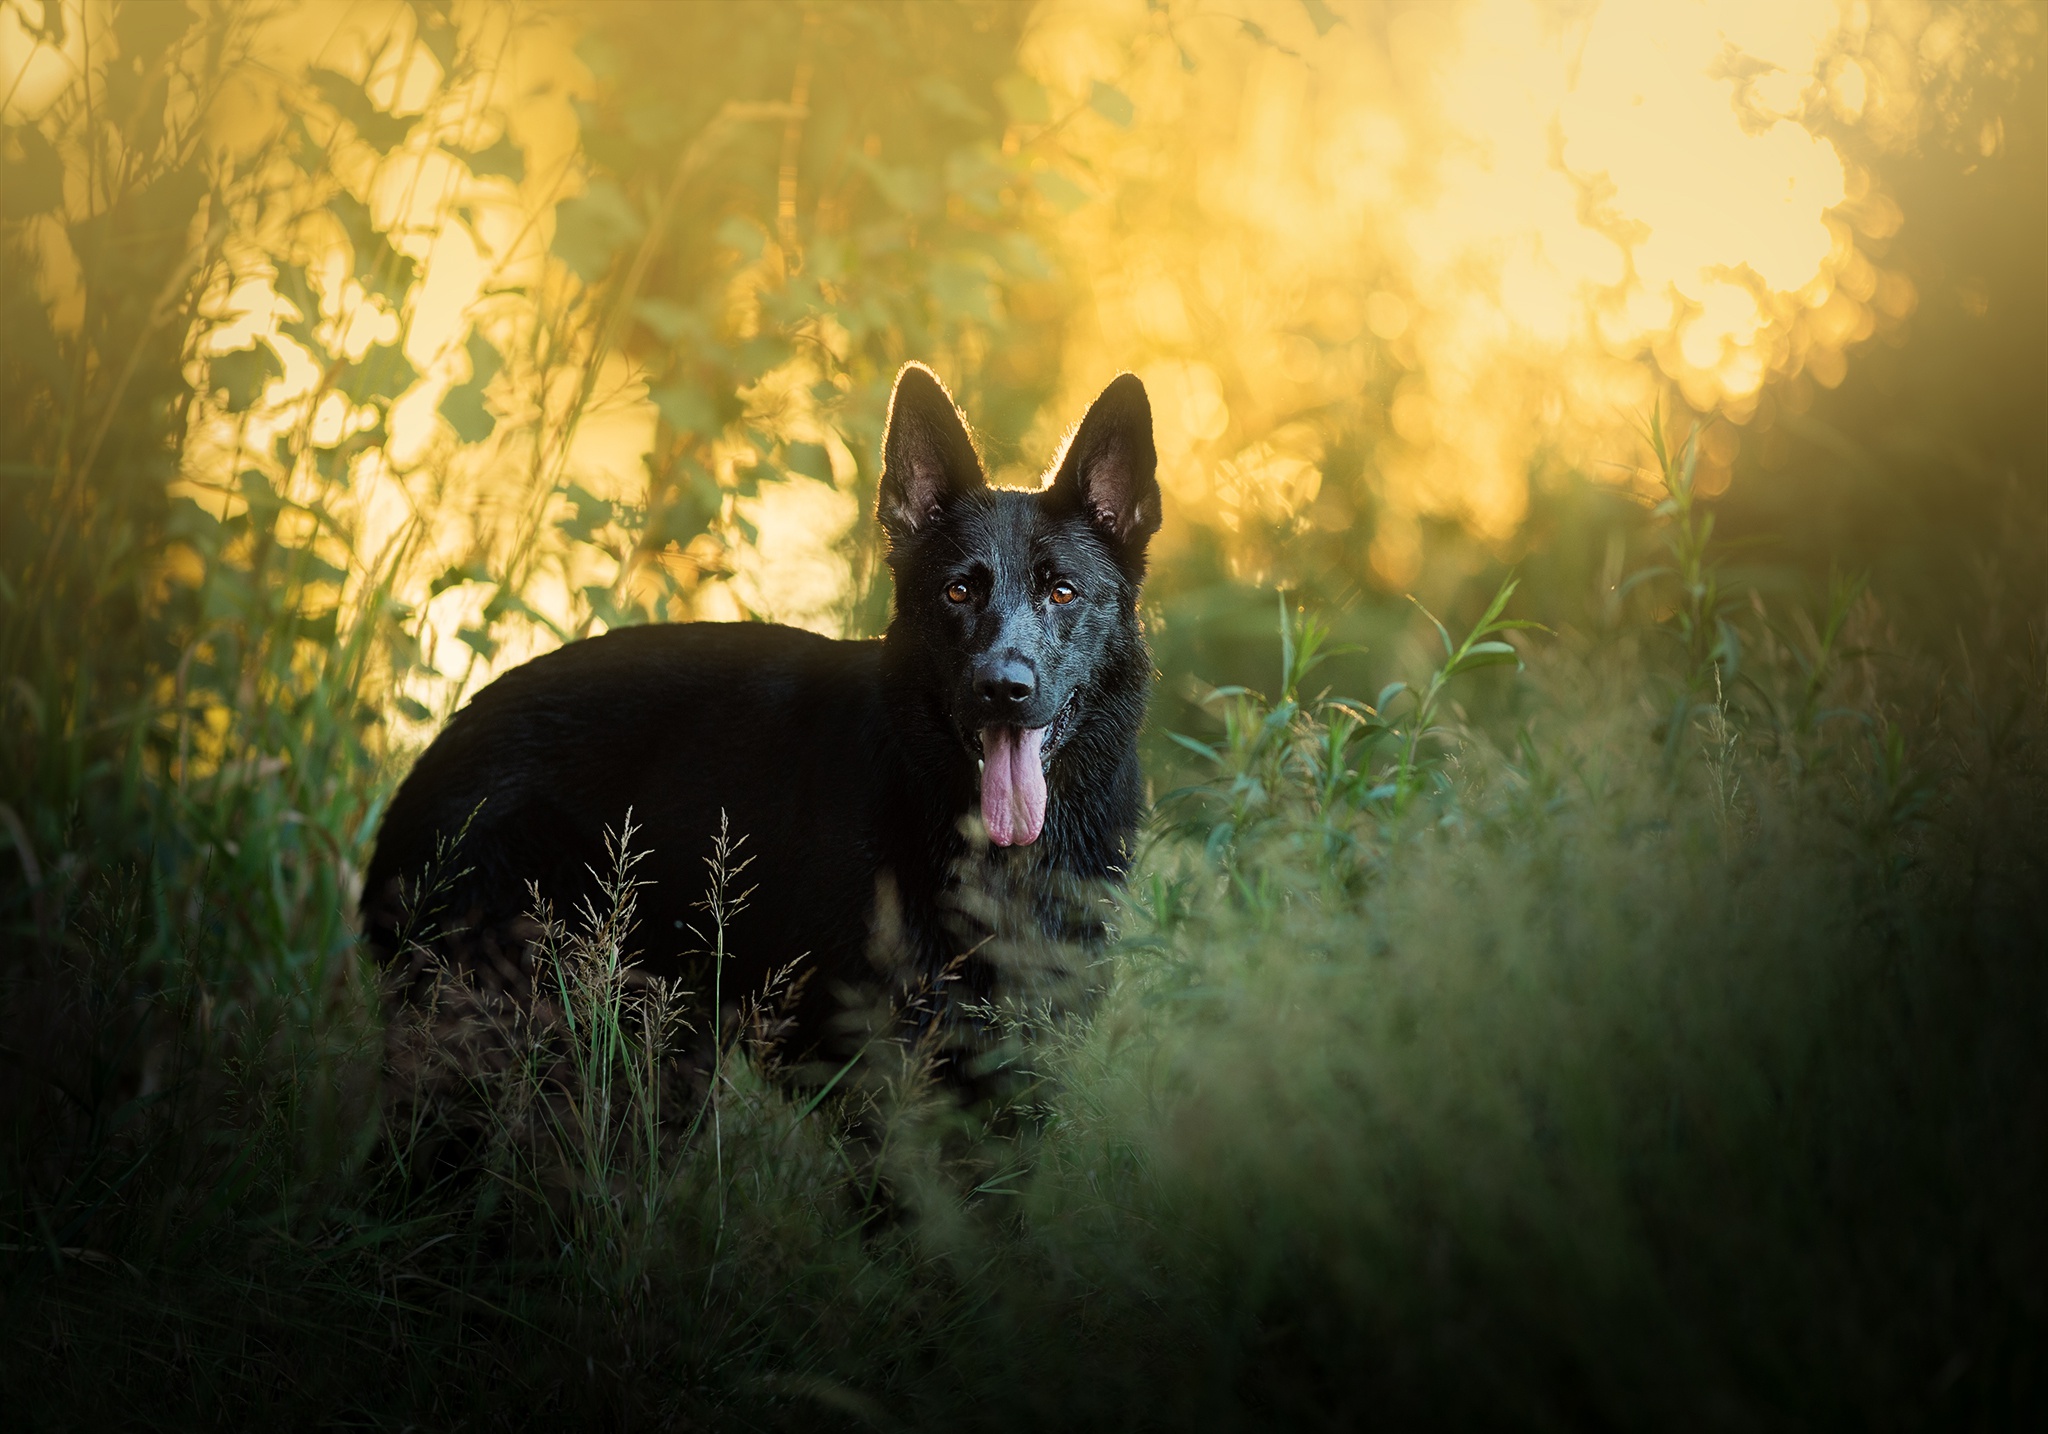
[[1004, 683]]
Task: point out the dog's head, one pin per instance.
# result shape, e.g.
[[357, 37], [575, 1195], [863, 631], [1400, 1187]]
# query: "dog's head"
[[1016, 606]]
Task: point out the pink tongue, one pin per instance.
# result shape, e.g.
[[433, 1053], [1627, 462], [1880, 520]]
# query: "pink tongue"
[[1012, 784]]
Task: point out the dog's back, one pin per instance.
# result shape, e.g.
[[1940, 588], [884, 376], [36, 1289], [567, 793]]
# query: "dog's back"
[[781, 733]]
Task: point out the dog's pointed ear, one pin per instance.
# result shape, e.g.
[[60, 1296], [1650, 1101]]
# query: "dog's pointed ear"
[[1110, 471], [927, 458]]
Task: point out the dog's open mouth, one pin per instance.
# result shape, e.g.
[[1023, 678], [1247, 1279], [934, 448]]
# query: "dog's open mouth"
[[1014, 762]]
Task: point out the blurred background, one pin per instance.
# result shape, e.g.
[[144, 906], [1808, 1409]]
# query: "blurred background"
[[500, 324], [1657, 1048]]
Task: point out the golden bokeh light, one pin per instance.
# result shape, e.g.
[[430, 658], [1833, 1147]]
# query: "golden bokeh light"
[[1548, 218], [1455, 239]]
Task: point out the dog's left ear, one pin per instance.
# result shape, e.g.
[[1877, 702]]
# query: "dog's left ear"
[[927, 458], [1111, 471]]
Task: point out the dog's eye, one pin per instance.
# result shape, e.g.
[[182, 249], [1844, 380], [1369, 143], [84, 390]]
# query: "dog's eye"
[[957, 591], [1063, 592]]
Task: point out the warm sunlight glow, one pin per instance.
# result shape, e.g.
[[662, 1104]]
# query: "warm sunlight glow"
[[1543, 218], [1460, 241]]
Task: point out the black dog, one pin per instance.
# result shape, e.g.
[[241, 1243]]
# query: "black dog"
[[986, 745]]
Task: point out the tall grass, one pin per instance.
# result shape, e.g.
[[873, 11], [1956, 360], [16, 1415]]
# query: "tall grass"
[[1544, 1070]]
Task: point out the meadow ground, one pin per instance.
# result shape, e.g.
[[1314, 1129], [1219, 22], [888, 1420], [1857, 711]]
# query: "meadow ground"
[[1645, 1054]]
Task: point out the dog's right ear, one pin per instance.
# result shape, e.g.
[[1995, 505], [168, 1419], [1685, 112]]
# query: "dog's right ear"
[[927, 458]]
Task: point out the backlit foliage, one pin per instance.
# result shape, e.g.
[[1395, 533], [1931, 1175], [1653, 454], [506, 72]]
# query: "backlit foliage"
[[533, 319], [1458, 238]]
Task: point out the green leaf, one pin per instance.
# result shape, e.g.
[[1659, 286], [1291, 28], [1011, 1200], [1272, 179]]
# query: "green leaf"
[[690, 507], [384, 372], [809, 459], [1258, 34], [979, 177], [144, 34], [244, 374], [403, 648], [907, 188], [499, 159], [1286, 643], [668, 320], [464, 406], [295, 288], [31, 173], [1641, 576], [258, 494], [964, 289], [1219, 840], [456, 576], [479, 642], [380, 268], [504, 601], [1496, 607], [382, 131], [593, 227], [310, 154], [333, 464], [1112, 104], [607, 608], [1484, 654], [738, 232], [1024, 259], [466, 414], [947, 98], [1473, 663], [412, 709], [1025, 99], [129, 98], [1059, 191], [1321, 16], [592, 513], [312, 568], [1441, 631], [436, 30], [687, 409], [188, 522]]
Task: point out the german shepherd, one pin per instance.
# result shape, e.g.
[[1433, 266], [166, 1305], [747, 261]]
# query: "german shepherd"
[[911, 805]]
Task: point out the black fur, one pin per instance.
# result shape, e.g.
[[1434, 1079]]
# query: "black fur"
[[851, 767]]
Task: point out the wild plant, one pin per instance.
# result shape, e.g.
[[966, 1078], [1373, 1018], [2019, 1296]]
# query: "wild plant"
[[1702, 620], [619, 1030], [609, 1123], [720, 906], [1744, 674], [1820, 657], [1319, 765]]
